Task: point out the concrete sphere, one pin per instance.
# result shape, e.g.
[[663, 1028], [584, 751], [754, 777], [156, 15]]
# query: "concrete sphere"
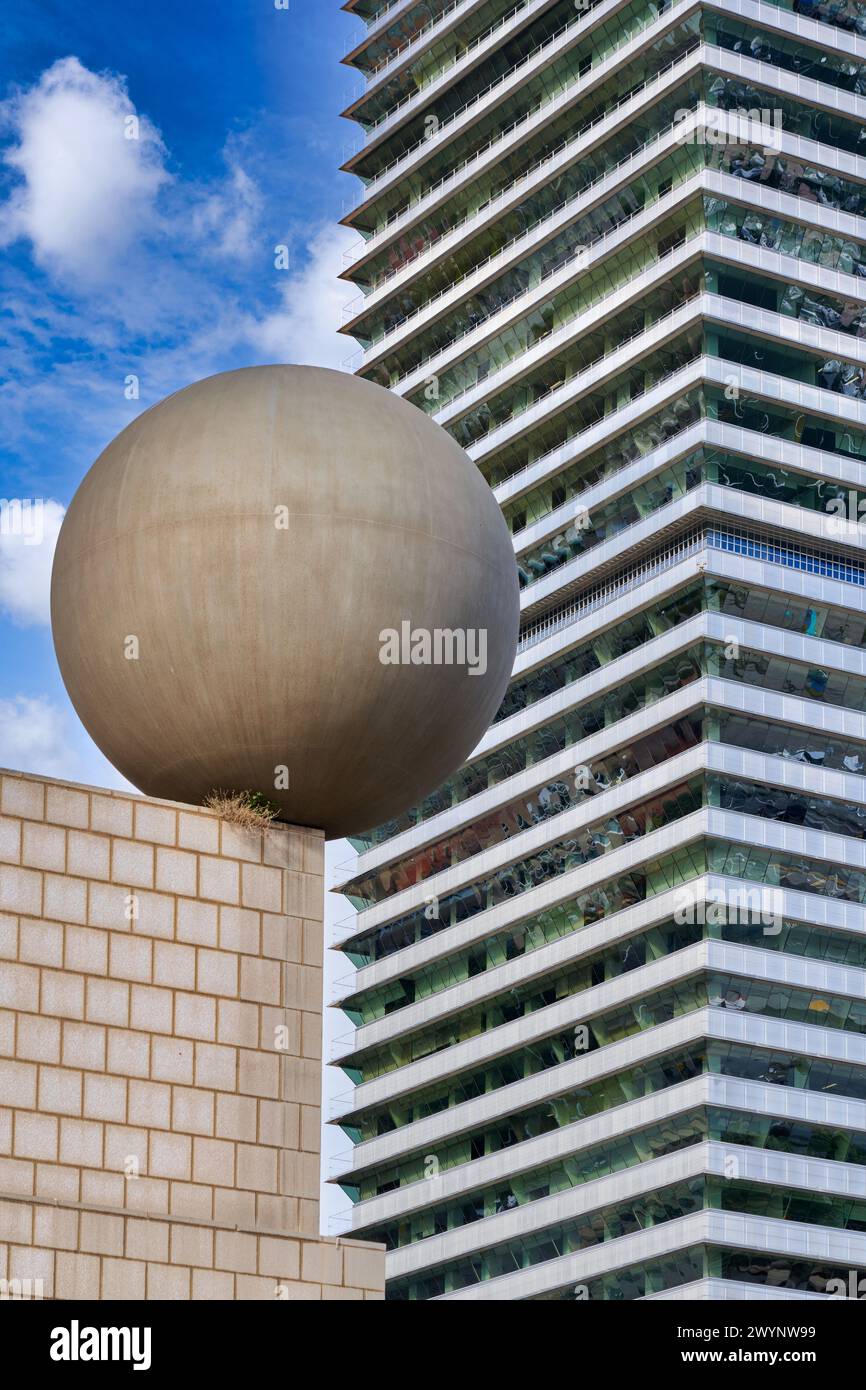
[[226, 572]]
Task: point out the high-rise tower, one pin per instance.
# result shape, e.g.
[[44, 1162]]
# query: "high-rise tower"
[[610, 981]]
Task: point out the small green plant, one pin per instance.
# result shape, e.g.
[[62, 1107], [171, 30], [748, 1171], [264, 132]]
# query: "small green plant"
[[252, 810]]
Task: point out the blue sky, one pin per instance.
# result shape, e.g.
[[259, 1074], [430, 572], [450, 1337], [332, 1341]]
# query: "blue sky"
[[151, 159]]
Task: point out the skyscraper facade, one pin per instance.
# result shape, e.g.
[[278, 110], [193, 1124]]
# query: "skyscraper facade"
[[605, 992]]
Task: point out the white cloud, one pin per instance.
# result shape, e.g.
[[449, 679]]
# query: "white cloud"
[[28, 535], [37, 735], [87, 189], [34, 735], [304, 328], [86, 193], [227, 217]]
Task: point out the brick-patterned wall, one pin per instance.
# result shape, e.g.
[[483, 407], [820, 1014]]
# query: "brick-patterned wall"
[[85, 1253], [160, 1045]]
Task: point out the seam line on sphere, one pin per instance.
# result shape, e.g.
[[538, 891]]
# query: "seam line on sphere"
[[246, 516]]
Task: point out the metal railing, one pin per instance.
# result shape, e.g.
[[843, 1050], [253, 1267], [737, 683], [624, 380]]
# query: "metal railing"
[[614, 173], [597, 362], [407, 155], [479, 96], [807, 149], [673, 553], [395, 53], [549, 457], [533, 464], [583, 253], [432, 24], [483, 214]]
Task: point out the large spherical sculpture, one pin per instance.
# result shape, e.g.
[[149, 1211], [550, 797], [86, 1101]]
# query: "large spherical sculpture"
[[289, 581]]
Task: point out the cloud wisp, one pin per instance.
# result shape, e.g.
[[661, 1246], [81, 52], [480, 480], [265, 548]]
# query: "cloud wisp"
[[304, 327]]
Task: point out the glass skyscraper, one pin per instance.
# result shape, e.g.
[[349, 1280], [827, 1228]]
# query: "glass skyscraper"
[[605, 994]]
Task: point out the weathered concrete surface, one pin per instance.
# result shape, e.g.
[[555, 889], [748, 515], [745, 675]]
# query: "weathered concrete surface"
[[258, 642]]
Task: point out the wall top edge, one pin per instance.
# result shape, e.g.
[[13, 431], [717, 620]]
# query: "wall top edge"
[[162, 1218], [139, 798]]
